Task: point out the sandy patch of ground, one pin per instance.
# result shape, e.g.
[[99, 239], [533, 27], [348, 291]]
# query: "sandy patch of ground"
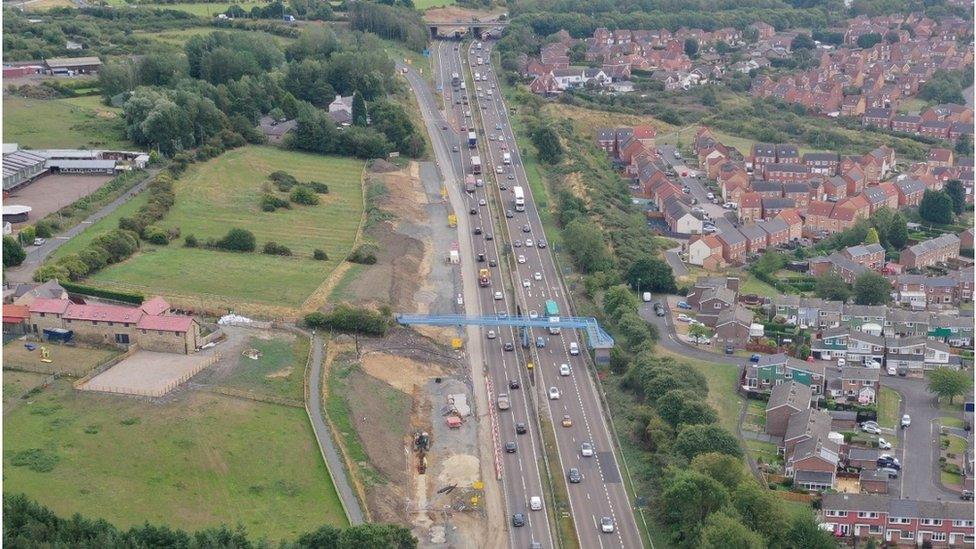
[[460, 469], [149, 373], [53, 192], [403, 373]]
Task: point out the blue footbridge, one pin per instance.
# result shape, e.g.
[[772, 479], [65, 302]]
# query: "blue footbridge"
[[596, 337]]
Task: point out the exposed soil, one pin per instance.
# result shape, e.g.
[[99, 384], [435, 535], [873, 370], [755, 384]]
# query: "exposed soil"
[[403, 373]]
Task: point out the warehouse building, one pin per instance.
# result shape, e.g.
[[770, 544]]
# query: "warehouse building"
[[21, 167], [73, 65], [83, 167]]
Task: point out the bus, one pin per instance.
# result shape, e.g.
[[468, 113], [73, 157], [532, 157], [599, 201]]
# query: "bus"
[[519, 198], [552, 311]]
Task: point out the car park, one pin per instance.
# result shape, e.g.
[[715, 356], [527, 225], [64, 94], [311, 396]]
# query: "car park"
[[586, 449], [553, 393]]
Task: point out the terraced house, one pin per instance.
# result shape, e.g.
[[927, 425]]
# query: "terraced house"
[[902, 522], [772, 370]]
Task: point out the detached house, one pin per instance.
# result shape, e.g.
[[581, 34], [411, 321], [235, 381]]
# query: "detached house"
[[785, 400]]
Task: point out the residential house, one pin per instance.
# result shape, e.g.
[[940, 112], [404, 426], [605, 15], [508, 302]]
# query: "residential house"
[[822, 163], [785, 400], [863, 458], [732, 326], [760, 155], [929, 252], [734, 246], [793, 221], [831, 344], [771, 207], [750, 207], [706, 251], [907, 123], [871, 256], [864, 348], [772, 370], [679, 217], [777, 232], [859, 384], [786, 172], [878, 117], [842, 420], [955, 330], [704, 285], [936, 129], [940, 158], [813, 464], [910, 192], [898, 521], [713, 302], [904, 323], [805, 425], [937, 355]]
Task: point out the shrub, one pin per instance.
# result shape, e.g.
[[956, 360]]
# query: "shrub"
[[238, 240], [114, 295], [51, 271], [190, 241], [273, 248], [45, 228], [364, 255], [35, 459], [304, 195], [284, 180], [345, 318], [318, 187], [320, 255], [155, 235], [13, 252], [271, 202], [77, 269]]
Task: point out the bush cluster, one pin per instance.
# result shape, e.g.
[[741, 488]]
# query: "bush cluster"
[[111, 247], [345, 318], [364, 255], [273, 248]]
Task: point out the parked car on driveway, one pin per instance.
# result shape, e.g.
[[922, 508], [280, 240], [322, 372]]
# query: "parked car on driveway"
[[684, 305], [871, 427]]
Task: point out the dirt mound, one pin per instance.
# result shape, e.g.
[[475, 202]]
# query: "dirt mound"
[[403, 373], [460, 469]]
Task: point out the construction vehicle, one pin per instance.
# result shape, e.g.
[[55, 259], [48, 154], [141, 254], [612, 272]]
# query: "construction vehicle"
[[484, 278], [421, 445]]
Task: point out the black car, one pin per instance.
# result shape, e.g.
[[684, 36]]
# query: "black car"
[[510, 447], [521, 429], [888, 463], [509, 346], [513, 384], [492, 263], [526, 229], [477, 230], [541, 244], [473, 210], [481, 258], [503, 186], [729, 349], [966, 495], [575, 476], [518, 519], [658, 309], [509, 214]]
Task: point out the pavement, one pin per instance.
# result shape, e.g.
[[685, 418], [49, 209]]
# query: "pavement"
[[336, 467], [37, 254]]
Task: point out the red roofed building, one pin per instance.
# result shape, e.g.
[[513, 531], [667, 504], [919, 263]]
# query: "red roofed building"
[[818, 217], [15, 319], [940, 158], [792, 218], [750, 207], [158, 332]]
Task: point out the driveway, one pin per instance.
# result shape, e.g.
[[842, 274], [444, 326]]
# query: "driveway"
[[677, 266], [670, 341]]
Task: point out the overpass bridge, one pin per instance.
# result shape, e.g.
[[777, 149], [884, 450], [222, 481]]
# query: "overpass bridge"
[[457, 28]]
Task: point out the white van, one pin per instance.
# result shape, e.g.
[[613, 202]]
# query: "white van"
[[647, 297], [573, 348]]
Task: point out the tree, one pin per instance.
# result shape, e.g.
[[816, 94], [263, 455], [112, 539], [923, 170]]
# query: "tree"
[[691, 47], [693, 440], [238, 240], [358, 110], [721, 467], [13, 252], [871, 288], [618, 300], [872, 237], [759, 509], [697, 332], [936, 207], [724, 532], [948, 383], [680, 407], [687, 500], [803, 41], [957, 193], [805, 532], [964, 145], [588, 249], [651, 274], [302, 194], [942, 87], [897, 233], [869, 40], [892, 37], [546, 141], [832, 287]]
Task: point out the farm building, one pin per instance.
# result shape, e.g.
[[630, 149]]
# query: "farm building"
[[20, 167], [83, 167], [15, 213], [73, 65], [19, 71]]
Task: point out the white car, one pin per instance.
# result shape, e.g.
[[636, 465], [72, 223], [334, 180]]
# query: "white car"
[[883, 444], [499, 169], [586, 450], [498, 296], [553, 393], [521, 259], [906, 420], [871, 427], [573, 348], [535, 503], [482, 202], [606, 525], [526, 283], [710, 195], [491, 334], [533, 314], [537, 276], [564, 370], [684, 318], [841, 362], [529, 243]]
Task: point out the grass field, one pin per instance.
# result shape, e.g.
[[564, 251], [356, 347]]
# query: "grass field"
[[752, 285], [200, 9], [425, 4], [76, 361], [280, 371], [15, 384], [91, 102], [888, 402], [225, 192], [177, 38], [58, 123], [191, 464]]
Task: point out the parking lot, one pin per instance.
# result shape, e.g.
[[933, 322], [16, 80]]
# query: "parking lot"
[[53, 192]]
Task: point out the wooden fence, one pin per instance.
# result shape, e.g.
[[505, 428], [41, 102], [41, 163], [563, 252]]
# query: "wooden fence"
[[106, 365], [152, 393]]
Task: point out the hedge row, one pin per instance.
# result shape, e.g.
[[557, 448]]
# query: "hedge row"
[[125, 297]]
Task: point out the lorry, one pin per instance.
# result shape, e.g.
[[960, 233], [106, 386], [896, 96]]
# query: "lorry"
[[484, 278], [519, 198], [552, 311], [472, 140], [469, 183], [506, 158], [476, 165]]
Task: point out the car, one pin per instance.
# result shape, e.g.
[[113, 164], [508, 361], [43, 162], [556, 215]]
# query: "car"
[[553, 393], [521, 259], [755, 357], [481, 258], [454, 148], [710, 195], [499, 169], [518, 520], [871, 427], [533, 314], [509, 214], [574, 476], [658, 309], [841, 362], [503, 147], [526, 283], [529, 243], [521, 429], [906, 421], [477, 230], [517, 243], [728, 206], [606, 523], [889, 462], [684, 318], [474, 210], [686, 190], [541, 243], [540, 342], [573, 348], [729, 349], [567, 421], [503, 186], [709, 229], [482, 202], [479, 182], [684, 305], [492, 334], [503, 402], [535, 503], [586, 449], [489, 236], [492, 262], [892, 473], [884, 444], [511, 177], [508, 346], [499, 296], [966, 495], [564, 370], [511, 447], [537, 276], [526, 229], [513, 384], [498, 126]]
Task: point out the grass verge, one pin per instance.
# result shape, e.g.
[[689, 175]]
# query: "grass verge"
[[888, 402]]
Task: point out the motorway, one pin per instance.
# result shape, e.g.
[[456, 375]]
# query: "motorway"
[[535, 279]]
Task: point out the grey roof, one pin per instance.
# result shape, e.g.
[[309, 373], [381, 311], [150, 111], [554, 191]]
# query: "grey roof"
[[843, 415], [842, 262], [767, 186], [734, 314], [795, 168], [856, 373], [870, 311], [731, 236], [855, 502], [764, 149], [947, 239], [821, 156], [863, 454], [81, 164], [865, 249], [721, 293], [813, 477], [793, 394], [786, 300], [768, 360], [14, 162], [796, 187], [775, 225], [785, 149], [62, 62], [872, 339], [811, 423], [874, 195], [873, 475], [778, 204], [814, 446], [902, 342], [752, 231], [876, 112], [910, 186]]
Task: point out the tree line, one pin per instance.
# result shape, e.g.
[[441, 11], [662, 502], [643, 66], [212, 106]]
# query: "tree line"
[[28, 524]]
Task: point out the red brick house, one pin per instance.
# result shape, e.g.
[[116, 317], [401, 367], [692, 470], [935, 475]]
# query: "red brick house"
[[793, 221], [734, 245], [929, 252], [777, 232], [750, 207], [937, 129], [819, 217], [901, 522], [940, 158], [907, 123]]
